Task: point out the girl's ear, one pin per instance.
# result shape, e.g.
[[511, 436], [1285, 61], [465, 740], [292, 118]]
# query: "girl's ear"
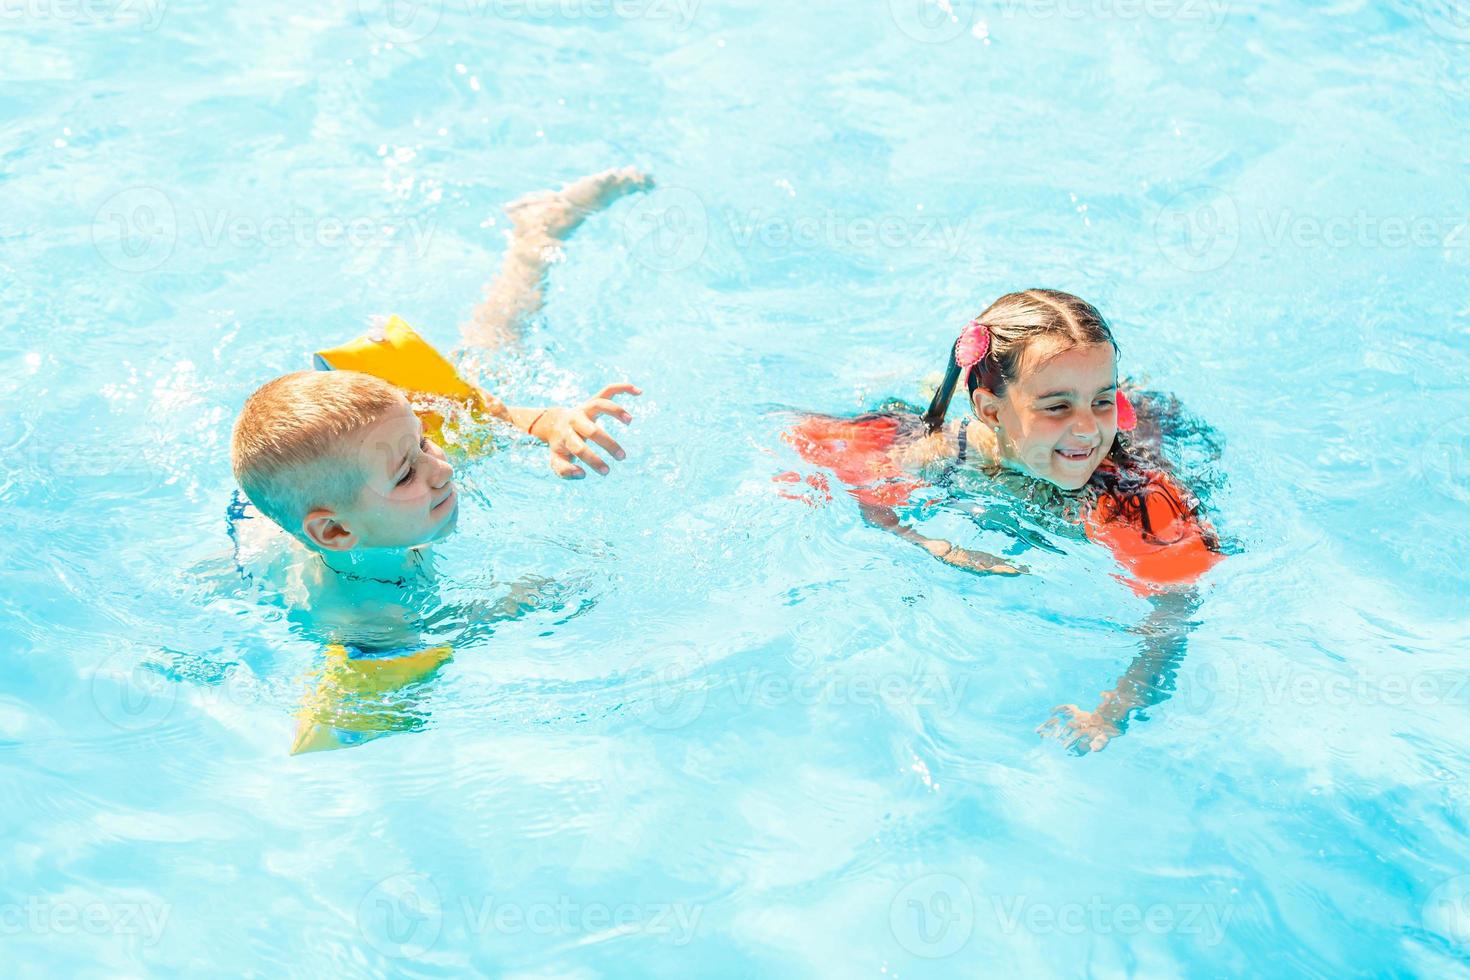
[[987, 406]]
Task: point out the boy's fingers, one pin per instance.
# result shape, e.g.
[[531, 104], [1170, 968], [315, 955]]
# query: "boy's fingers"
[[562, 466], [582, 451], [606, 406], [621, 388], [586, 428]]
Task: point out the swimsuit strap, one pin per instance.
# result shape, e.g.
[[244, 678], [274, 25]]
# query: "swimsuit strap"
[[964, 441]]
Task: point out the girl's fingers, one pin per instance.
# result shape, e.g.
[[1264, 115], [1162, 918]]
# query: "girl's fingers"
[[606, 406], [621, 388], [588, 429]]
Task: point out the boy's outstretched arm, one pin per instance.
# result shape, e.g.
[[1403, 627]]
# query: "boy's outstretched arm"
[[540, 222]]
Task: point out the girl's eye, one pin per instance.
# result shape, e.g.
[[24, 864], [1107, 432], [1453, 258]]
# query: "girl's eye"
[[406, 477], [1105, 402], [1055, 408]]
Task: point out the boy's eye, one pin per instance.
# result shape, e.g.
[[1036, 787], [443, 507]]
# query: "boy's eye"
[[406, 477]]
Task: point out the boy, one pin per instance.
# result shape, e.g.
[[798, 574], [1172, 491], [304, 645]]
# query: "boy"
[[360, 483]]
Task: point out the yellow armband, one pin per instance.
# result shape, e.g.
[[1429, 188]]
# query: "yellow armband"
[[398, 355], [352, 701]]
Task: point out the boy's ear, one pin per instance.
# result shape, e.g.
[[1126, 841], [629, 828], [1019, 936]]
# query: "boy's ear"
[[323, 529], [987, 406]]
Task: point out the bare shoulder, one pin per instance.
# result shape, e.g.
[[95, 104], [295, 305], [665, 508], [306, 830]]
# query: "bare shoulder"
[[930, 448]]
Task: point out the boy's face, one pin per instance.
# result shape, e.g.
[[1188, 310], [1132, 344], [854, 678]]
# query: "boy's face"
[[1060, 417], [408, 497]]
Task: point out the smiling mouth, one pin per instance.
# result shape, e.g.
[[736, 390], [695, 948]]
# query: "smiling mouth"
[[1076, 455], [451, 495]]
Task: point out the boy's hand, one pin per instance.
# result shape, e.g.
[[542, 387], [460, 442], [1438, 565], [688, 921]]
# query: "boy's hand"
[[570, 432]]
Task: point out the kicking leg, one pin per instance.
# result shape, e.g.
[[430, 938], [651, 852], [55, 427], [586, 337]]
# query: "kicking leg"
[[540, 222]]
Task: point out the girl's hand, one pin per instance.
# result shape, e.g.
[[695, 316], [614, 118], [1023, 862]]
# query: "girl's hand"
[[971, 561], [570, 431], [1082, 731]]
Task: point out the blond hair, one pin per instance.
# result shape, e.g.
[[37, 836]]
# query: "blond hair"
[[287, 450]]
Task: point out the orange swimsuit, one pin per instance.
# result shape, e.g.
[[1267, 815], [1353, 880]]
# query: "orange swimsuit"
[[1167, 547]]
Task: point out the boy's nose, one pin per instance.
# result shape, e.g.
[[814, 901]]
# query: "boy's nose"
[[444, 474]]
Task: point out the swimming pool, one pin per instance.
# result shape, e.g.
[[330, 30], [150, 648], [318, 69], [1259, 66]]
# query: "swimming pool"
[[749, 736]]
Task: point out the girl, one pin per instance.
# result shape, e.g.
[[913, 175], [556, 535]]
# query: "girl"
[[1050, 425]]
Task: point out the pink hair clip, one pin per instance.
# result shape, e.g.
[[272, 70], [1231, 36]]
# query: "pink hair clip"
[[1127, 417], [973, 345]]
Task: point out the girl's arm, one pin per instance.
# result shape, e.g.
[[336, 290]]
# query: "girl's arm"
[[1149, 679], [971, 561]]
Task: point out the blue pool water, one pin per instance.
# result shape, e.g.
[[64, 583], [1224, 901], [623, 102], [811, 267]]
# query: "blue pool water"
[[749, 737]]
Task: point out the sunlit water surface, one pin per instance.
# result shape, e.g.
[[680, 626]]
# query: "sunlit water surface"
[[749, 736]]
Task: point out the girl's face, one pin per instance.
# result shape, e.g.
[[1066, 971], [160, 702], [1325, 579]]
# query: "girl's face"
[[1057, 420]]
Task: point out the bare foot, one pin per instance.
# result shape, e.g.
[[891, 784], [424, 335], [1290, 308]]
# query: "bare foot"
[[556, 214]]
